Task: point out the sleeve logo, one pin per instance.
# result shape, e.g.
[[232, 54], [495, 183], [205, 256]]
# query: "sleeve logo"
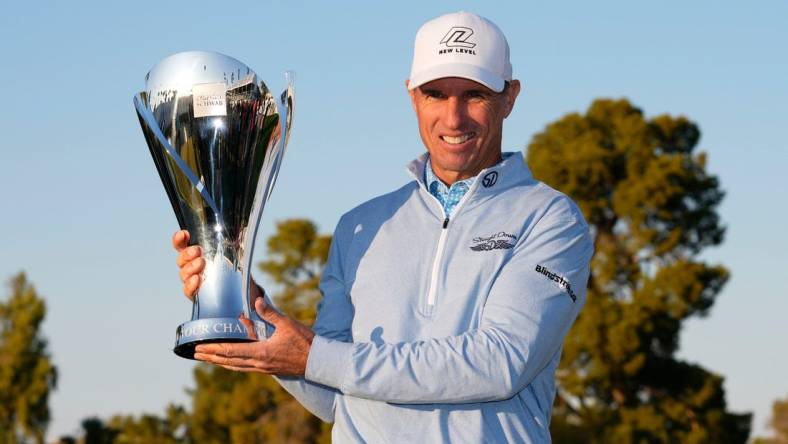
[[563, 283]]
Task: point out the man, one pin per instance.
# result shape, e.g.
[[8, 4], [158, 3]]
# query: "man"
[[445, 303]]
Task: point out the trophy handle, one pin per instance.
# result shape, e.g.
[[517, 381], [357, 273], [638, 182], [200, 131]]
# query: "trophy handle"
[[288, 103], [151, 129], [285, 111]]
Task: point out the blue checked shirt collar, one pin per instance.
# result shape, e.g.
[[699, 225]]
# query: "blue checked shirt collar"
[[449, 197]]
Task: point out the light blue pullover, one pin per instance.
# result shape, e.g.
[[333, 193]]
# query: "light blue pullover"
[[438, 330]]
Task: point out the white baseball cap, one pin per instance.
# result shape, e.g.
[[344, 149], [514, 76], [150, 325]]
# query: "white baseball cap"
[[464, 45]]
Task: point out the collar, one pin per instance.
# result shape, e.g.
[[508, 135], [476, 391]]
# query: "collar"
[[509, 171], [430, 178], [490, 182]]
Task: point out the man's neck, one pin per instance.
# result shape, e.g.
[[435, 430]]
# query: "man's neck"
[[450, 177]]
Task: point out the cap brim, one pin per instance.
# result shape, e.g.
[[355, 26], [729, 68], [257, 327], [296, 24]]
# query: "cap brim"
[[462, 70]]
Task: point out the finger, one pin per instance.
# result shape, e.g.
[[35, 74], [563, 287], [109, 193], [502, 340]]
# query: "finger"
[[223, 360], [249, 326], [266, 312], [195, 266], [188, 254], [229, 350], [180, 240], [255, 291], [191, 286], [240, 369]]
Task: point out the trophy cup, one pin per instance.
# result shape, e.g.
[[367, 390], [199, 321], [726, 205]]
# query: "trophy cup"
[[217, 136]]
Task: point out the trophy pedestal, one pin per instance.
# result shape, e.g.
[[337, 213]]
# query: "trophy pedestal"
[[201, 331]]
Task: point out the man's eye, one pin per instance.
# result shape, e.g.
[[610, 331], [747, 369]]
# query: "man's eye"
[[432, 94], [475, 95]]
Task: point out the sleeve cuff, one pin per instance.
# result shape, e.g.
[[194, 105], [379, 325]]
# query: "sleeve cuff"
[[328, 361]]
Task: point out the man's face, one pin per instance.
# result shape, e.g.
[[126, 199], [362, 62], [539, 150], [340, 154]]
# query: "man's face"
[[460, 122]]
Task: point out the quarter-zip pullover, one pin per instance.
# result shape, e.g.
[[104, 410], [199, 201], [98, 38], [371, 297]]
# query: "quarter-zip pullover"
[[447, 330]]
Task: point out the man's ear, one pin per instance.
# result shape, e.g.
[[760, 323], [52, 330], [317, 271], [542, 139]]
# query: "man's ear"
[[511, 95], [412, 94]]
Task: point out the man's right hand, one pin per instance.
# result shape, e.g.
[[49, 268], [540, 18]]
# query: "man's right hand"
[[190, 262]]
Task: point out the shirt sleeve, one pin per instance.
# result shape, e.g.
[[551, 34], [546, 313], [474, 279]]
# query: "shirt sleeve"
[[529, 310], [334, 318]]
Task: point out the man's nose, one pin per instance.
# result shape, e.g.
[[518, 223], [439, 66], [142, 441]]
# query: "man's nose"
[[455, 113]]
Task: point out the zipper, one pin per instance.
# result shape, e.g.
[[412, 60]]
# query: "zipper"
[[436, 262]]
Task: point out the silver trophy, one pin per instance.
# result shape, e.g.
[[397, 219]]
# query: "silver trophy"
[[217, 136]]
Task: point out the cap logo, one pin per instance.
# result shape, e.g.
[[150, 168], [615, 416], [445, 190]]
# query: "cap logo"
[[458, 37]]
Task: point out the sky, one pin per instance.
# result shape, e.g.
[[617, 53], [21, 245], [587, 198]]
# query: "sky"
[[85, 216]]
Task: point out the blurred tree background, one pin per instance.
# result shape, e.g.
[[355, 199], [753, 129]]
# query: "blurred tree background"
[[27, 373], [778, 423], [652, 208]]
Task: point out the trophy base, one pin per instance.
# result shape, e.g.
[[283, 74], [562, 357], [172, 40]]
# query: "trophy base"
[[201, 331]]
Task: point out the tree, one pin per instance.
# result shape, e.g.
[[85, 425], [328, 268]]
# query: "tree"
[[27, 373], [148, 428], [298, 254], [249, 407], [778, 423], [96, 432], [652, 208], [122, 429]]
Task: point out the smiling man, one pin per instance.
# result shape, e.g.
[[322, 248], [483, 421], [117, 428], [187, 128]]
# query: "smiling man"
[[445, 302]]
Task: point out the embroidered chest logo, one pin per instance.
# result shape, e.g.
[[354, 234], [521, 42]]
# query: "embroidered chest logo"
[[498, 241], [489, 179], [563, 283]]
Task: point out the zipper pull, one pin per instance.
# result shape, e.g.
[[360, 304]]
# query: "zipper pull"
[[445, 223]]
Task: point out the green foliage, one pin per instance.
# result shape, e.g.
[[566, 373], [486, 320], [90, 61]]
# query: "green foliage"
[[27, 373], [246, 408], [778, 423], [146, 429], [652, 207], [96, 432], [297, 254]]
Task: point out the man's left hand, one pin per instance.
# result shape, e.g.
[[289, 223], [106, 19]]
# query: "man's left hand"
[[285, 353]]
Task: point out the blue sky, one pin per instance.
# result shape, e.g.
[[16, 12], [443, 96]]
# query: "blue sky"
[[84, 213]]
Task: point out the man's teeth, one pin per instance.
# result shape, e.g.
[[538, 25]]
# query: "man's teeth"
[[458, 139]]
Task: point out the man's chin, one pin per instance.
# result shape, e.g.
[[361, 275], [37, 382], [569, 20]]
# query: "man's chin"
[[453, 158], [453, 173]]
